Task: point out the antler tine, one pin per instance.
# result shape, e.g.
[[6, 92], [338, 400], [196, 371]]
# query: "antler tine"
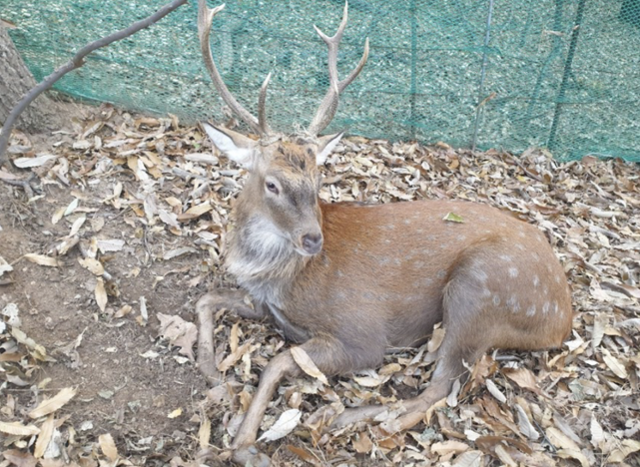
[[329, 105], [205, 18], [262, 113]]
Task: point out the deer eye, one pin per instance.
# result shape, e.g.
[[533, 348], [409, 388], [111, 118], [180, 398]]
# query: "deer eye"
[[272, 187]]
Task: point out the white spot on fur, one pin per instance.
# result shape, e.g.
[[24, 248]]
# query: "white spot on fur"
[[546, 307], [479, 273], [514, 304], [536, 281], [555, 307], [513, 272], [486, 292], [520, 247], [507, 258], [531, 310]]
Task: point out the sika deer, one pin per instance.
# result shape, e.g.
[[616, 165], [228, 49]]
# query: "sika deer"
[[347, 281]]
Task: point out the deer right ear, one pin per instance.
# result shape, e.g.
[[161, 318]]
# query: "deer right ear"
[[235, 146], [326, 144]]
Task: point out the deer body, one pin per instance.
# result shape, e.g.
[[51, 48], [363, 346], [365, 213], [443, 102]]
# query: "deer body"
[[349, 281], [386, 271]]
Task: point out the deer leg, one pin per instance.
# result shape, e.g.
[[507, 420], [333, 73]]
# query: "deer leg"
[[462, 310], [205, 308], [329, 356]]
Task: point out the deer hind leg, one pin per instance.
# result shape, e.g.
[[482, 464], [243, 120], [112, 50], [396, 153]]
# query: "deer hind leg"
[[463, 309], [449, 367], [330, 357], [469, 333]]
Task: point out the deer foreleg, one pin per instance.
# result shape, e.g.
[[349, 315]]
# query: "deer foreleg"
[[328, 355], [205, 309]]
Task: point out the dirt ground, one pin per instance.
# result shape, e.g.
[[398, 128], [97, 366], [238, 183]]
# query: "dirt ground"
[[145, 199], [119, 390]]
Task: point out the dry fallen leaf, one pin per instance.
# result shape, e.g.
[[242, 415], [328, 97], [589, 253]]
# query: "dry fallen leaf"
[[629, 446], [448, 447], [306, 364], [4, 266], [93, 265], [523, 378], [42, 260], [526, 428], [363, 444], [48, 406], [204, 433], [614, 364], [469, 459], [234, 356], [18, 429], [101, 294], [436, 340], [18, 458], [285, 424], [108, 446], [46, 432], [180, 333], [29, 162], [573, 454], [495, 392]]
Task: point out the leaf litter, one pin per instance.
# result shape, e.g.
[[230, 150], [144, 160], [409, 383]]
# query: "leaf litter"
[[170, 195]]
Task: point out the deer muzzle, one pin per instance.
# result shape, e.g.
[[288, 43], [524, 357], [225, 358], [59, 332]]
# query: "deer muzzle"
[[311, 243]]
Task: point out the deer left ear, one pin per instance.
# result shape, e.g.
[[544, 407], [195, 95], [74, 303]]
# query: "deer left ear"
[[326, 144]]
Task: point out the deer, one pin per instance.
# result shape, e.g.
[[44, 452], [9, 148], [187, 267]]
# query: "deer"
[[348, 281]]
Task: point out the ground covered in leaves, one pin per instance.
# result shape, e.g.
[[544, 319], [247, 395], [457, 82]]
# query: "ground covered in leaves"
[[101, 266]]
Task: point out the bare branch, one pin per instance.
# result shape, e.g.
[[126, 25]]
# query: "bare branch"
[[76, 62]]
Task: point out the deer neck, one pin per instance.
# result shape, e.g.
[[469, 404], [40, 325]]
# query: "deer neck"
[[262, 259]]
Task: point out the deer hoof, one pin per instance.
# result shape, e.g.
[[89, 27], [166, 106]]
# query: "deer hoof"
[[249, 455]]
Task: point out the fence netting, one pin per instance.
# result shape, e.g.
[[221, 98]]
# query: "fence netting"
[[562, 74]]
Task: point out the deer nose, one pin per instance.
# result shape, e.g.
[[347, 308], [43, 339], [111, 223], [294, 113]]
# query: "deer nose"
[[312, 243]]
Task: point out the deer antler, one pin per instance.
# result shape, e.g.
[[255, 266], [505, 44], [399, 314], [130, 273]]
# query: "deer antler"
[[257, 125], [329, 104]]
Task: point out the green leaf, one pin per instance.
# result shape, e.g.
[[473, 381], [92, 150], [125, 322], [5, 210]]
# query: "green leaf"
[[453, 217]]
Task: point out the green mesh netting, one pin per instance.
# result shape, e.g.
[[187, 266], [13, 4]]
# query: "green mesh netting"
[[564, 74]]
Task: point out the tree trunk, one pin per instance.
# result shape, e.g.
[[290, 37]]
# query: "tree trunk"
[[15, 82]]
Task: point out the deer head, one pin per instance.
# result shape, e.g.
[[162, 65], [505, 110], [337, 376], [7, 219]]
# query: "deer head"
[[281, 191]]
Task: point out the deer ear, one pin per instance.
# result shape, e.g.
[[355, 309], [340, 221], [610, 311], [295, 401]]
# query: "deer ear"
[[326, 144], [235, 146]]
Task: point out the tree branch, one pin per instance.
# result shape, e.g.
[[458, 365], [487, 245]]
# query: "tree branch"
[[76, 62]]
